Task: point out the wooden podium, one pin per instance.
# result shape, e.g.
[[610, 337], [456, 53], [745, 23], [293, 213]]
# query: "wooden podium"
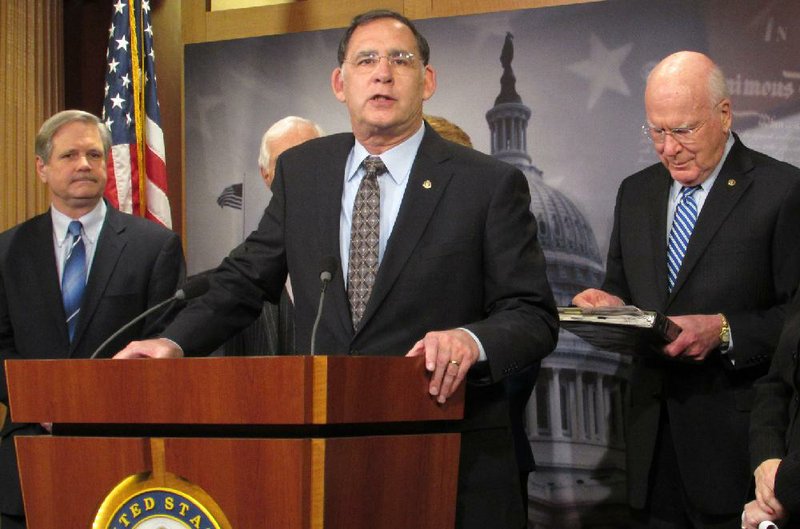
[[266, 442]]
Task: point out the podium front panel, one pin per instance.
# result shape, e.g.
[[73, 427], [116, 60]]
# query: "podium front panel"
[[381, 482], [257, 483], [391, 482]]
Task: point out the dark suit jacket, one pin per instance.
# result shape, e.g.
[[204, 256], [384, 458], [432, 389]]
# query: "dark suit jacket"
[[136, 265], [774, 428], [463, 252], [519, 387], [272, 332], [742, 261]]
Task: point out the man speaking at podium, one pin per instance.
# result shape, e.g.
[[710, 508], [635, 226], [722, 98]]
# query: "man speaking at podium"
[[438, 251], [72, 276]]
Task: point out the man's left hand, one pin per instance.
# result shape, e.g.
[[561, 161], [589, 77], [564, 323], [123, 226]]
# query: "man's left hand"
[[765, 488], [700, 336], [448, 355], [753, 515]]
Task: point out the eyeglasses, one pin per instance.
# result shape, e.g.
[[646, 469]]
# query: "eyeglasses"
[[400, 61], [683, 135]]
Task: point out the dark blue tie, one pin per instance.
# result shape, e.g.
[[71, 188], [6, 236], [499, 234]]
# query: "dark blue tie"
[[73, 281], [682, 227]]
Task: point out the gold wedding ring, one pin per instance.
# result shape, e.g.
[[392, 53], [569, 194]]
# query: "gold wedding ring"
[[455, 362]]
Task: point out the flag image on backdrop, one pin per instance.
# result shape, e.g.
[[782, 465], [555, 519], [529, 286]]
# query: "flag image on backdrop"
[[137, 176]]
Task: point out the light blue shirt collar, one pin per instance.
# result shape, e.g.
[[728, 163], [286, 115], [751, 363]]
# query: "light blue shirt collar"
[[398, 160], [701, 194], [92, 223]]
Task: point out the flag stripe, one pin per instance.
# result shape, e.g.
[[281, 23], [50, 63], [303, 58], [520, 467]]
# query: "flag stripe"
[[137, 174]]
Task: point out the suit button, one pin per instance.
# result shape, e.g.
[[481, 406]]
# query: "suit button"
[[794, 355]]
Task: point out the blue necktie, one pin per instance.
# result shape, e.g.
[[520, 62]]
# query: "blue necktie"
[[73, 281], [682, 227]]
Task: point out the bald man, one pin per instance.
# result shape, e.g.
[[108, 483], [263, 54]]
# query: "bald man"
[[710, 237]]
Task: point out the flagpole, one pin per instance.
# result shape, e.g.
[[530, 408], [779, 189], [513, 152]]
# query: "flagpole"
[[137, 67]]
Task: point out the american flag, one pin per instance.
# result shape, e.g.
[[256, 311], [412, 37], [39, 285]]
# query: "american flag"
[[137, 175], [231, 197]]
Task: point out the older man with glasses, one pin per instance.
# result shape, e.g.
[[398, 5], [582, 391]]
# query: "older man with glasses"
[[710, 237]]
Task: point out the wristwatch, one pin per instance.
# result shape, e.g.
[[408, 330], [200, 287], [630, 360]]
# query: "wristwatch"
[[725, 332]]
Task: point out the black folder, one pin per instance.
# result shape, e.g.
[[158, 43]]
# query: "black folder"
[[625, 329]]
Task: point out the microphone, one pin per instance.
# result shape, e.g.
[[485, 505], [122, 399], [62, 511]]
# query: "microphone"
[[194, 288], [328, 267]]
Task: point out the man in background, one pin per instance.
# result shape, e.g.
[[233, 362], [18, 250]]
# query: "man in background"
[[273, 331], [438, 250], [775, 437], [282, 135], [709, 237], [72, 276]]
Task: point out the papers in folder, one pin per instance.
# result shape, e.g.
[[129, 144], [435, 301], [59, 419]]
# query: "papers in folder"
[[626, 329]]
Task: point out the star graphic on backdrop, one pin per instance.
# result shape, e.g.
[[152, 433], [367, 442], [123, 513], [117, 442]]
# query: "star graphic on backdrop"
[[603, 69], [125, 80], [112, 66], [119, 6]]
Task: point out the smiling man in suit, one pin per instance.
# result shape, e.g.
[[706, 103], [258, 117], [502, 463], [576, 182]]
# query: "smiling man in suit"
[[710, 237], [72, 276], [438, 250]]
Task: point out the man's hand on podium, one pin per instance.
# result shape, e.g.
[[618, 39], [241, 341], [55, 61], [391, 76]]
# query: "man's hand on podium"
[[155, 348], [448, 356]]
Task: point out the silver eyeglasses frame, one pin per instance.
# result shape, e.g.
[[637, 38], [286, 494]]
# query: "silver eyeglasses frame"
[[369, 61]]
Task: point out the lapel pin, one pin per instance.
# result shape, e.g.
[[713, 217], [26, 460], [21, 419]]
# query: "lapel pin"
[[427, 184], [731, 182]]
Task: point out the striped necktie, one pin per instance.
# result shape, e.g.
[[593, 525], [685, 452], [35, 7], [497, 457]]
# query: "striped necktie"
[[365, 234], [73, 280], [682, 227]]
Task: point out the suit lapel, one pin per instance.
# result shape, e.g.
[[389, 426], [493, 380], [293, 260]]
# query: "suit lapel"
[[731, 183], [658, 232], [330, 183], [426, 184], [110, 244], [42, 257]]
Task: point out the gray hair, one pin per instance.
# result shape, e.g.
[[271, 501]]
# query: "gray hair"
[[278, 129], [43, 146], [717, 86]]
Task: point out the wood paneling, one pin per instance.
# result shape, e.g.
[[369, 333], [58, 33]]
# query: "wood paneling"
[[31, 89], [200, 24]]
